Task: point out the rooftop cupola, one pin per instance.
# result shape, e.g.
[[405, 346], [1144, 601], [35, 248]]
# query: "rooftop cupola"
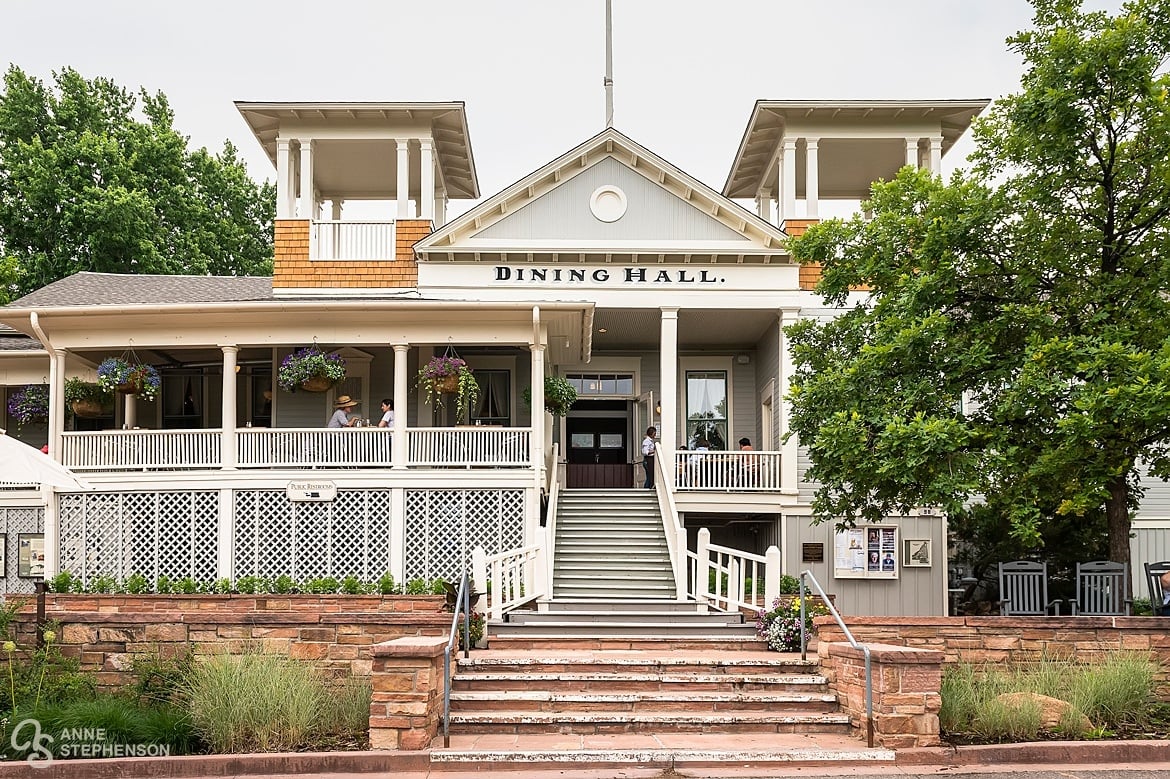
[[360, 183]]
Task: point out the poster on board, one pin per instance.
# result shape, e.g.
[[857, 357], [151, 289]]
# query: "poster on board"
[[868, 551]]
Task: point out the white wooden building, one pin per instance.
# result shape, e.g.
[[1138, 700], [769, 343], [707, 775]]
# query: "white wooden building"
[[662, 299]]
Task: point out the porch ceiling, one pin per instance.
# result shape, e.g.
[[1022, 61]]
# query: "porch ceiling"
[[640, 328]]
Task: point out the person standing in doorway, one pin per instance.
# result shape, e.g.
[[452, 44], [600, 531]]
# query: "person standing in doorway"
[[387, 413], [648, 457]]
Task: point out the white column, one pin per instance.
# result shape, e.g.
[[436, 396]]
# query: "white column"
[[788, 185], [403, 191], [790, 448], [284, 188], [336, 211], [227, 442], [936, 155], [398, 448], [426, 197], [129, 411], [812, 178], [764, 204], [668, 373], [440, 208], [912, 152], [56, 402], [308, 208]]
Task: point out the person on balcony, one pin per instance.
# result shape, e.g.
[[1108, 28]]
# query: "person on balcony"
[[387, 413], [341, 417], [750, 467]]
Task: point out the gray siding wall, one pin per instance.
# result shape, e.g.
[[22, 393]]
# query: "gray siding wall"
[[767, 358], [744, 404], [651, 212], [916, 592], [1150, 543]]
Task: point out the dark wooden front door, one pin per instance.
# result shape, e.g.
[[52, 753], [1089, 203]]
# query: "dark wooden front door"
[[598, 453]]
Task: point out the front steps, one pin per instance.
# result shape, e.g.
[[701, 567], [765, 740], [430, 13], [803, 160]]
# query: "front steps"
[[618, 624], [654, 691], [611, 544]]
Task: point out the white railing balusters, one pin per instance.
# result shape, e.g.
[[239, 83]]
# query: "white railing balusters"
[[284, 447], [727, 471], [367, 240], [509, 577]]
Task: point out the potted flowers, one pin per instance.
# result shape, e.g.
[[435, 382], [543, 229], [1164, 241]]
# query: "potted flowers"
[[29, 403], [130, 378], [85, 399], [559, 395], [449, 375], [310, 369]]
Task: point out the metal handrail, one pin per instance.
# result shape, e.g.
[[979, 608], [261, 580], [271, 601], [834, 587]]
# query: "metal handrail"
[[852, 642], [462, 606]]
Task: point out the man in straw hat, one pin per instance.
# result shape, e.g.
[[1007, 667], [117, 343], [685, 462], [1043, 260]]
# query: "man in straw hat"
[[341, 417]]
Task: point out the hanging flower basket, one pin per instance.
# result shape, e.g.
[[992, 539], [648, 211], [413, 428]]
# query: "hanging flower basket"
[[317, 384], [87, 409], [87, 400], [311, 369], [449, 375], [29, 403], [130, 378], [559, 395]]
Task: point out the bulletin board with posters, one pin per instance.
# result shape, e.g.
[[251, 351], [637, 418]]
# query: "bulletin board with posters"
[[866, 552]]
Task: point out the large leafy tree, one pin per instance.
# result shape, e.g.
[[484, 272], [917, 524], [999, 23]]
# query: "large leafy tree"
[[89, 182], [1005, 344]]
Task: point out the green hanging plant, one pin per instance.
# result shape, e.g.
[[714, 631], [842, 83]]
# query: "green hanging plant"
[[559, 395]]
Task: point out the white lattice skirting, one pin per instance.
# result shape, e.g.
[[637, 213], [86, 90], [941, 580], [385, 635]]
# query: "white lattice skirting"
[[177, 534]]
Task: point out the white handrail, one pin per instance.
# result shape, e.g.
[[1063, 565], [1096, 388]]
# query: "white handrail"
[[550, 521], [501, 447], [507, 577], [676, 536], [732, 569], [307, 447]]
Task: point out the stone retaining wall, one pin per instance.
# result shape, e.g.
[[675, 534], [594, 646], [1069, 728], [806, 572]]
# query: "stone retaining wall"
[[1014, 639], [336, 632]]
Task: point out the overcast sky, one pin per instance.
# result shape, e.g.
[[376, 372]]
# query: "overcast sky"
[[686, 72]]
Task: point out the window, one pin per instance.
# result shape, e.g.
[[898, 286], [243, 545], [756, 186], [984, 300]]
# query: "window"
[[707, 409], [182, 400], [602, 383], [495, 404]]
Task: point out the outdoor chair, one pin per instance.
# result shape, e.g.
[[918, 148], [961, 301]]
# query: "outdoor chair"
[[1102, 590], [1154, 573], [1023, 590]]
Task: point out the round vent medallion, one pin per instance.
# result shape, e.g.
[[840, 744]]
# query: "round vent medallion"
[[608, 203]]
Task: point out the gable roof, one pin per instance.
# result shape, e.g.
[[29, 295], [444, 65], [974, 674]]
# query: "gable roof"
[[86, 288], [757, 239]]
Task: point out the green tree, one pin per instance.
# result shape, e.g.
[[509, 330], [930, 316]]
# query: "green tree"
[[88, 184], [1012, 347]]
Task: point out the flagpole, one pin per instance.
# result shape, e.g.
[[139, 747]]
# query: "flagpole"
[[609, 63]]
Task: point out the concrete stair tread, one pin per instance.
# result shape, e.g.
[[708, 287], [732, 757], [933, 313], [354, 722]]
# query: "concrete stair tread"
[[632, 678], [747, 696], [730, 717], [631, 657], [632, 614]]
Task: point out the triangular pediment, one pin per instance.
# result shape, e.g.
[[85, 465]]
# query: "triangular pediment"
[[608, 197]]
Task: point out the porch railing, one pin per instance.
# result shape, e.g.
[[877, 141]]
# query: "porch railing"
[[728, 471], [334, 240], [499, 447], [147, 450], [508, 577], [285, 447], [303, 448], [732, 579]]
